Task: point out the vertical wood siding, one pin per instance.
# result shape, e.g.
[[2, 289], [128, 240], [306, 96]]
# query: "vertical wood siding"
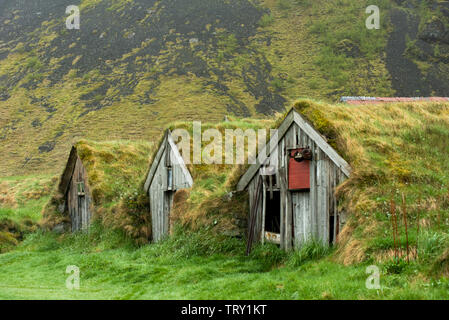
[[310, 210], [161, 198], [252, 190], [79, 207]]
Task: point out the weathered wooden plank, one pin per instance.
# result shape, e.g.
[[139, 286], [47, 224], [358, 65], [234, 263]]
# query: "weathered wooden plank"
[[290, 138], [288, 220], [308, 225], [313, 213], [296, 219], [325, 199], [264, 208], [304, 137], [299, 220], [321, 197], [282, 154], [255, 213], [298, 134], [334, 204], [283, 196], [295, 135]]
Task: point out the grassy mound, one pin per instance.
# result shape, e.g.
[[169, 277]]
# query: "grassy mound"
[[398, 153], [115, 170]]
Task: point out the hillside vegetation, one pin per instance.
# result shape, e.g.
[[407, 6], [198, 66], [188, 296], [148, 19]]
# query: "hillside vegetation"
[[21, 202], [135, 66], [115, 170]]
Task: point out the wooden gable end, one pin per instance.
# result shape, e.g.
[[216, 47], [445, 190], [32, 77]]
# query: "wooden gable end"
[[168, 160], [307, 129]]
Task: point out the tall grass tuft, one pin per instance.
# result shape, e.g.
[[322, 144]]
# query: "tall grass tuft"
[[183, 243], [312, 250], [268, 255]]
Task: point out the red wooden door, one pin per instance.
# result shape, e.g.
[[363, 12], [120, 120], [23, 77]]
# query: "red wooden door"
[[298, 173]]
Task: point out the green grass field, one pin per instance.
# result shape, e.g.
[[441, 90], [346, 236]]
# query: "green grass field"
[[184, 267]]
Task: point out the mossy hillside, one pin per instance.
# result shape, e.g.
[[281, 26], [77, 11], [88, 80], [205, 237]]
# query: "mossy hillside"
[[114, 170], [179, 60], [427, 43], [73, 91], [395, 150], [323, 50]]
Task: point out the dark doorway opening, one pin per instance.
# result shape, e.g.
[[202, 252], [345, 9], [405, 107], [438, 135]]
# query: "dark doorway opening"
[[331, 230], [273, 212]]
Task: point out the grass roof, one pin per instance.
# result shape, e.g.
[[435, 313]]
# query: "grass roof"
[[397, 152], [115, 170]]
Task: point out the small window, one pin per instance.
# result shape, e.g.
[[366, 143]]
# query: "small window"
[[169, 178], [80, 188]]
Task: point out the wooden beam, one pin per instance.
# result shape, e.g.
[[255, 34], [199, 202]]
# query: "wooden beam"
[[322, 144], [264, 209], [178, 159], [283, 209], [254, 208], [155, 164], [253, 169], [68, 172]]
